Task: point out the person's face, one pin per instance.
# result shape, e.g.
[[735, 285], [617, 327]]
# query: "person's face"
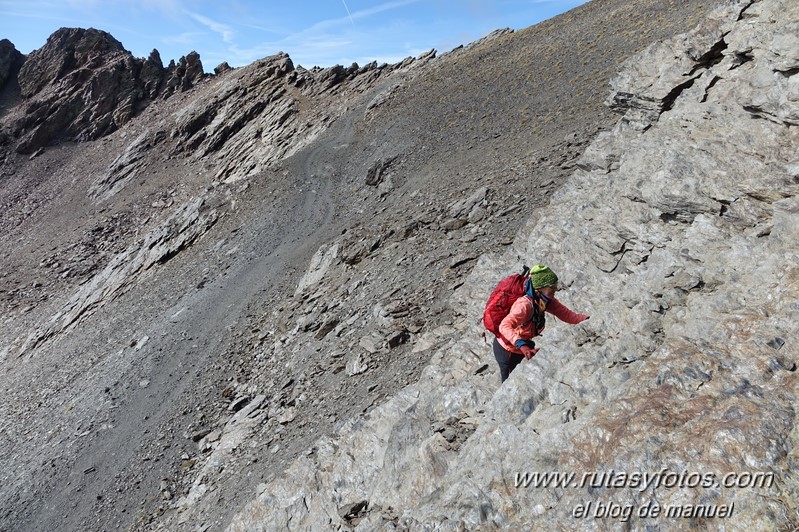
[[549, 291]]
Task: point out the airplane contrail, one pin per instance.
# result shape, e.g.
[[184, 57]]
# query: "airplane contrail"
[[348, 12]]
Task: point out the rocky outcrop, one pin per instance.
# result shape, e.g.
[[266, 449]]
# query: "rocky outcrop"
[[250, 115], [249, 121], [221, 68], [66, 51], [183, 75], [10, 61], [188, 223], [269, 110], [126, 166], [83, 84], [677, 235]]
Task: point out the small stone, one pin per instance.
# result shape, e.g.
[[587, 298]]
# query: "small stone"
[[352, 510], [356, 365], [141, 342], [200, 434], [368, 343], [398, 339], [454, 224], [238, 404], [449, 434], [776, 343], [288, 415], [477, 214]]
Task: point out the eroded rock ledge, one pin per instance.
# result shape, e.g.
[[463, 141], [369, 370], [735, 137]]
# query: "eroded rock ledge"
[[677, 235]]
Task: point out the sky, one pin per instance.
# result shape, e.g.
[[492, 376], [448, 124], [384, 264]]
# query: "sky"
[[313, 32]]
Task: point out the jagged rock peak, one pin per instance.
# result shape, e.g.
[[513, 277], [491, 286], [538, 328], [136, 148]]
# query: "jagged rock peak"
[[10, 59], [83, 84], [221, 68], [183, 75], [66, 50]]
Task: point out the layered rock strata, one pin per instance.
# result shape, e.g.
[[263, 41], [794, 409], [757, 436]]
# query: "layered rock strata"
[[256, 116], [180, 230]]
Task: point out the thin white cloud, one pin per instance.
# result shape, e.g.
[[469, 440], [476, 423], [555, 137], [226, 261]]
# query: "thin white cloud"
[[264, 28], [224, 30], [363, 13], [183, 38], [322, 44], [42, 16]]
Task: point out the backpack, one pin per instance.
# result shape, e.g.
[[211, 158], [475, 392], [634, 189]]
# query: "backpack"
[[502, 299]]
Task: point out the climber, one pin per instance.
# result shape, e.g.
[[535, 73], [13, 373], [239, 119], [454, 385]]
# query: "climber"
[[526, 319]]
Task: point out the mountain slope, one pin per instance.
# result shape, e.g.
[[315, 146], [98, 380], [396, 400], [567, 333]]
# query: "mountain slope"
[[151, 277], [673, 406]]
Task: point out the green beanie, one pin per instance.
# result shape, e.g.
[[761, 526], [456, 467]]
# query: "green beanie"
[[542, 276]]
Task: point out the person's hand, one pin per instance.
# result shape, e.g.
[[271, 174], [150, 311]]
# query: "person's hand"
[[528, 352]]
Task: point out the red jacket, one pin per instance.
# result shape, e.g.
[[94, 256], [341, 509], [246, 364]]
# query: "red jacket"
[[519, 325]]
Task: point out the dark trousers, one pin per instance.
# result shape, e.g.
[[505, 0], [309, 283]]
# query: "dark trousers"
[[507, 361]]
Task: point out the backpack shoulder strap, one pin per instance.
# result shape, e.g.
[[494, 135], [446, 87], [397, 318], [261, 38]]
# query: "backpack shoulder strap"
[[532, 309]]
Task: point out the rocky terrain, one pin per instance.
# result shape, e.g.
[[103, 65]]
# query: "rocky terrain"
[[248, 299], [686, 365]]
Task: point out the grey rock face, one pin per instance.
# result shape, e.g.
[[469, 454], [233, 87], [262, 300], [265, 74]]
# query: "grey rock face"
[[247, 117], [152, 74], [260, 115], [126, 166], [677, 234]]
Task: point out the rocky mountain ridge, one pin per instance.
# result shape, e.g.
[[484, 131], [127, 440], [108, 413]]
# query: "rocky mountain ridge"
[[83, 85], [158, 279]]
